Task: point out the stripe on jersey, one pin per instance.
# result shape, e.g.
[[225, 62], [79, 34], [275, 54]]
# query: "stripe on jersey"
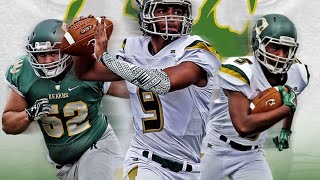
[[296, 60], [133, 173], [308, 74], [123, 44], [235, 72], [204, 46]]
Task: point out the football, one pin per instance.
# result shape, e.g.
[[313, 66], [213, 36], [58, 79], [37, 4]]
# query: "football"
[[266, 100], [79, 38]]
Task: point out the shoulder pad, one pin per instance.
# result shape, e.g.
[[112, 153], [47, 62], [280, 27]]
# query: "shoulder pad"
[[17, 66], [198, 43], [19, 69], [303, 69], [298, 77], [236, 70]]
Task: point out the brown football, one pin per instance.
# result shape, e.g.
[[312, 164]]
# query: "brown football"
[[79, 38], [266, 100]]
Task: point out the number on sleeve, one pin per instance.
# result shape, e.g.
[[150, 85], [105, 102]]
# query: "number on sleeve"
[[16, 66]]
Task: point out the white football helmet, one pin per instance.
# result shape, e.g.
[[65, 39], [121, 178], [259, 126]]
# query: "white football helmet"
[[148, 20]]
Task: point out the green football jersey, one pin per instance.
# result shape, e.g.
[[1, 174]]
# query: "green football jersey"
[[74, 122]]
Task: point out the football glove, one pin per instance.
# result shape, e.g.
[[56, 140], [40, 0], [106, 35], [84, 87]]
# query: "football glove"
[[39, 109], [282, 142], [289, 97]]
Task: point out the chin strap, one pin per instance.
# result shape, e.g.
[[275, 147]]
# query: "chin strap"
[[155, 80]]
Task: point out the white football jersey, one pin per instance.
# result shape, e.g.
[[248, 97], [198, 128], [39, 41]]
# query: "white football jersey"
[[237, 74], [171, 125]]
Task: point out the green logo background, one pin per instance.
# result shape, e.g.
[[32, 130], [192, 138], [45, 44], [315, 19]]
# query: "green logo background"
[[225, 41]]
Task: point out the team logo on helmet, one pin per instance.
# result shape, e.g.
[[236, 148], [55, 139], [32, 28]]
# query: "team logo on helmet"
[[260, 26]]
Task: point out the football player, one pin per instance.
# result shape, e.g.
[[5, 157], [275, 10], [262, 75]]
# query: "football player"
[[233, 144], [170, 80], [44, 89]]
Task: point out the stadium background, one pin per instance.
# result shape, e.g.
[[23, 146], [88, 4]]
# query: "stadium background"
[[224, 23]]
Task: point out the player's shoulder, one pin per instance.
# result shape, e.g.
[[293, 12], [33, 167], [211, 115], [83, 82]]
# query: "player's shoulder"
[[196, 50], [20, 75], [19, 67], [195, 43], [298, 76], [237, 70], [134, 42], [299, 69]]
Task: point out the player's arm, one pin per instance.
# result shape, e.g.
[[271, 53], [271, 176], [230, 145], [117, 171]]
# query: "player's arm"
[[282, 141], [87, 68], [247, 124], [14, 118], [157, 80], [186, 74], [287, 122], [118, 89]]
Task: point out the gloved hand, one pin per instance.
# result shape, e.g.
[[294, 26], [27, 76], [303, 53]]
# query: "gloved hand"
[[39, 109], [282, 142], [289, 97]]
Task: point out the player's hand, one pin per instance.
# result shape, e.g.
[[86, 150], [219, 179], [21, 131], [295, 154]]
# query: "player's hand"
[[289, 98], [282, 142], [101, 39], [39, 109]]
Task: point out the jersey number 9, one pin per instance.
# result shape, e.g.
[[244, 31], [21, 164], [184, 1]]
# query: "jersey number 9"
[[151, 105]]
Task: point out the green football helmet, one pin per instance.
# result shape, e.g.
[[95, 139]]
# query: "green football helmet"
[[46, 37], [147, 19], [279, 30]]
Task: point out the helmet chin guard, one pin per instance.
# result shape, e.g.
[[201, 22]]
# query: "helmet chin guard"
[[148, 21]]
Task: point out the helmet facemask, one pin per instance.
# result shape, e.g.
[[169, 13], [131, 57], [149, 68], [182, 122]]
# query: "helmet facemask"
[[47, 70], [276, 64], [149, 22]]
